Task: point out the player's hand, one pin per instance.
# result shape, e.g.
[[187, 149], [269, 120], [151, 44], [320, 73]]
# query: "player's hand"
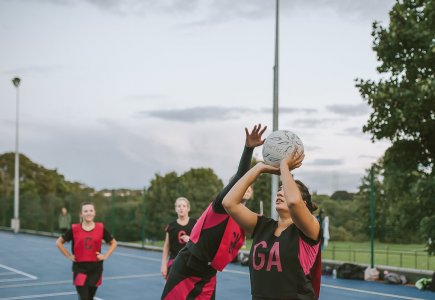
[[293, 161], [72, 258], [265, 168], [164, 271], [185, 238], [253, 139], [100, 256]]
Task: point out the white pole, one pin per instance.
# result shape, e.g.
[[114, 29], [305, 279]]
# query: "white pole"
[[16, 220], [275, 178]]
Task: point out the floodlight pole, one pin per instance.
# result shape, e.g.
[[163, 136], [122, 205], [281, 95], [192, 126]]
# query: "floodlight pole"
[[275, 178], [15, 223]]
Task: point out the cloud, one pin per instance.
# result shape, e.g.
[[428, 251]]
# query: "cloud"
[[349, 110], [327, 182], [195, 114], [325, 162], [213, 11], [31, 70], [290, 110], [314, 122], [147, 97]]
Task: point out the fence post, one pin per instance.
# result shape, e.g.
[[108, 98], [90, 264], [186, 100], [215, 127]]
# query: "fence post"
[[143, 216], [387, 256], [415, 261], [350, 252], [333, 252], [401, 254], [112, 213]]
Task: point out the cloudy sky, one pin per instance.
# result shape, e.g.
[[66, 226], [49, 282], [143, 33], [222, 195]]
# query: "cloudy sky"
[[115, 91]]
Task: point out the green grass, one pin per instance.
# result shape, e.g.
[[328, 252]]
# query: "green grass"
[[397, 255]]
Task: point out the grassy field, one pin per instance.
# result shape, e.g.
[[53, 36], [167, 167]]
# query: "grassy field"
[[397, 255]]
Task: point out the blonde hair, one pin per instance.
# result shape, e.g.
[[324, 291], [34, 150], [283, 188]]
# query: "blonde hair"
[[182, 199]]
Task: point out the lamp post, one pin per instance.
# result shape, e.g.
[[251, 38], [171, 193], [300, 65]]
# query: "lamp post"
[[275, 178], [15, 223]]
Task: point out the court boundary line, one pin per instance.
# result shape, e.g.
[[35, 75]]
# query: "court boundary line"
[[137, 256], [15, 279], [44, 295], [59, 282], [29, 277], [369, 292]]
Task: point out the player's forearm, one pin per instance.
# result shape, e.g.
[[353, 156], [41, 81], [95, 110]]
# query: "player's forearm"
[[244, 165], [113, 245], [61, 247], [235, 195]]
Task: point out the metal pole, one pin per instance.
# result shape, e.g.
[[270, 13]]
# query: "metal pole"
[[143, 216], [275, 178], [15, 224], [112, 212], [372, 218]]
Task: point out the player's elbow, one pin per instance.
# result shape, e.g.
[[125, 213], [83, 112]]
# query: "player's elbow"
[[227, 203], [59, 242]]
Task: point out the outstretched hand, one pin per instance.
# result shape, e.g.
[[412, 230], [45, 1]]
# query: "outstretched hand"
[[253, 139], [265, 168], [294, 160]]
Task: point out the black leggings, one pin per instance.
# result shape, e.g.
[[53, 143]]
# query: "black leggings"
[[86, 292]]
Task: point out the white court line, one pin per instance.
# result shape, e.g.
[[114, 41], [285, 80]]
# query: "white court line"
[[18, 272], [15, 279], [138, 256], [344, 288], [236, 272], [369, 292], [44, 295], [59, 282]]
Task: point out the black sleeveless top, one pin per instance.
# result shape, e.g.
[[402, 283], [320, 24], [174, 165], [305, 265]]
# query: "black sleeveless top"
[[275, 269], [175, 231]]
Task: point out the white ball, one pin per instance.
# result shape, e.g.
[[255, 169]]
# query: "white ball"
[[280, 144]]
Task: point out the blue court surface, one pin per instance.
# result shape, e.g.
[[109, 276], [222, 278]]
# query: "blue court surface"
[[31, 267]]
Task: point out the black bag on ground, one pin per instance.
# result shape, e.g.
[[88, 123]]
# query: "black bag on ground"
[[350, 271]]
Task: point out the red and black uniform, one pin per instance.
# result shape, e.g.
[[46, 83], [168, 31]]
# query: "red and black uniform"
[[284, 267], [87, 270], [214, 242], [176, 243]]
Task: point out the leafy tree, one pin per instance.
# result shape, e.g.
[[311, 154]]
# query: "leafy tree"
[[403, 100], [342, 195], [404, 113], [200, 186]]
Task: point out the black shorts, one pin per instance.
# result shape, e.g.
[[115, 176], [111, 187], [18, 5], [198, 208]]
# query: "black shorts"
[[189, 278], [88, 273]]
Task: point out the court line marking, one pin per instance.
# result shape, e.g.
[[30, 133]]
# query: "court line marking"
[[70, 280], [137, 256], [235, 272], [44, 295], [18, 272], [344, 288], [15, 279], [369, 292]]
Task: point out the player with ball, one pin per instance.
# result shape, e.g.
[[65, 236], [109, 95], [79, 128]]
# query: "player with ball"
[[285, 254]]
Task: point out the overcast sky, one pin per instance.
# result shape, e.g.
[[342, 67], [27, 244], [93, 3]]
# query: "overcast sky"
[[114, 92]]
